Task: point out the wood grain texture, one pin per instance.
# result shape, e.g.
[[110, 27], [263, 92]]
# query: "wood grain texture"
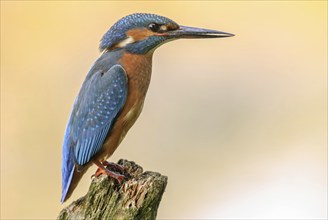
[[138, 197]]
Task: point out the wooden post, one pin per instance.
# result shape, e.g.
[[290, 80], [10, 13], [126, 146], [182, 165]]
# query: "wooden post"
[[138, 197]]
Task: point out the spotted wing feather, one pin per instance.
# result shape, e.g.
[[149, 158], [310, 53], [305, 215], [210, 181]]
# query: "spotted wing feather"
[[95, 109]]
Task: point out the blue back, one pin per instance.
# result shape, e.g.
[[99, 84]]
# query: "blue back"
[[101, 98]]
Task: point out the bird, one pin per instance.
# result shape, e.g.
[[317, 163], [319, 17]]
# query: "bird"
[[113, 93]]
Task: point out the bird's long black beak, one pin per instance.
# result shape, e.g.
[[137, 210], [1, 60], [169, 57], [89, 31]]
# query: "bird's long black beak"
[[191, 32]]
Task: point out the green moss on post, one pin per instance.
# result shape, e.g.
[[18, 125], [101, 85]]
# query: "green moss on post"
[[137, 198]]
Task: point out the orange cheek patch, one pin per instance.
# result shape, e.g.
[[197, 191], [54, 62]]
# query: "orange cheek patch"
[[139, 34]]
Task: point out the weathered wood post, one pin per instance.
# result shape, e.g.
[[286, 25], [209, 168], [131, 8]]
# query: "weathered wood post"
[[138, 197]]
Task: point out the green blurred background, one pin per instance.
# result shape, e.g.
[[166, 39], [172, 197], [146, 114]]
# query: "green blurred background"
[[237, 124]]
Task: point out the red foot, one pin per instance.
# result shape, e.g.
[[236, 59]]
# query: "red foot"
[[113, 166], [103, 170]]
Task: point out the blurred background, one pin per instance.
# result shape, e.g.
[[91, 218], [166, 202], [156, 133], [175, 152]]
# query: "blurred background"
[[237, 124]]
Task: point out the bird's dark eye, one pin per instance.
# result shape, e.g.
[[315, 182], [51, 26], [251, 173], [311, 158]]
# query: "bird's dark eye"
[[154, 27]]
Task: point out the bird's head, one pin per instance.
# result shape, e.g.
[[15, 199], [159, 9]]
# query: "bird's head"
[[140, 33]]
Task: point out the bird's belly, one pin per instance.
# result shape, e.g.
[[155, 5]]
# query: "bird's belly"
[[121, 127], [130, 118], [138, 69]]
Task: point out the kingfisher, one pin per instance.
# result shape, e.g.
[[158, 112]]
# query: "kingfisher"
[[112, 95]]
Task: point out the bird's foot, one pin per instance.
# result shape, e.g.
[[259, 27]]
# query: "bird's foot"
[[103, 169], [112, 174], [113, 166]]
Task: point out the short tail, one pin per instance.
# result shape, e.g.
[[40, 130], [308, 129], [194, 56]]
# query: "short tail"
[[71, 180], [68, 170], [70, 175]]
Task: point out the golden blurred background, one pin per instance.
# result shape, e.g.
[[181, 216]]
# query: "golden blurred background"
[[237, 124]]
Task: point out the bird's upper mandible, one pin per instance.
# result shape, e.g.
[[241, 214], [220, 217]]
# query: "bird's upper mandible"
[[140, 32]]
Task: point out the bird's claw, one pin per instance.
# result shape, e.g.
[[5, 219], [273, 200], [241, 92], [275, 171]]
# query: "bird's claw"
[[110, 173], [113, 166]]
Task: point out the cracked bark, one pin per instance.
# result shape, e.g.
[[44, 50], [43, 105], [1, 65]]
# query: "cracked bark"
[[138, 197]]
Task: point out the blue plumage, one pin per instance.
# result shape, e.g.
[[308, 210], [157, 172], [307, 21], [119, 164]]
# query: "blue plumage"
[[118, 31], [94, 111], [128, 48]]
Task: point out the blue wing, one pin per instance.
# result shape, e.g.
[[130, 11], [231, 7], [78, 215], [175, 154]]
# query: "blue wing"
[[101, 98]]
